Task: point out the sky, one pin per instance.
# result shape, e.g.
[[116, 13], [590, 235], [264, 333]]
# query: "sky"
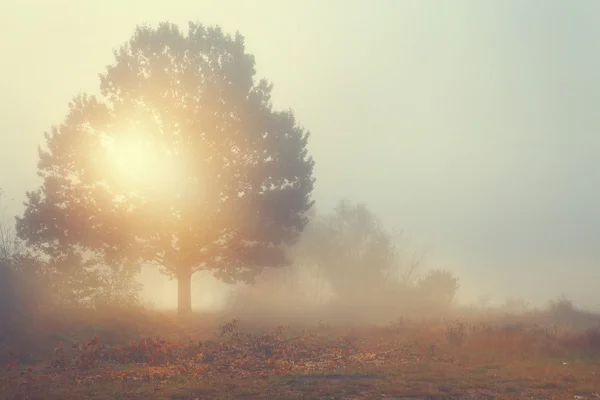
[[468, 125]]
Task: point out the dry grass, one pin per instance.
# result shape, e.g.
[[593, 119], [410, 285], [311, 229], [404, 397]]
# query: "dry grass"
[[151, 357]]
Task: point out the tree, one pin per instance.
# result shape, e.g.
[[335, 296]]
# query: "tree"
[[353, 252], [68, 279], [515, 305], [483, 301], [181, 162], [10, 246], [18, 292], [439, 287]]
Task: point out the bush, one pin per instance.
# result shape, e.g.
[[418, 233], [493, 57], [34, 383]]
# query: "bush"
[[438, 288]]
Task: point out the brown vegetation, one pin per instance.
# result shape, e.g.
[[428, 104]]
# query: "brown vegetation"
[[141, 354]]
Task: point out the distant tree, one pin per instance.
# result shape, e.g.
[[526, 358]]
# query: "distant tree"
[[10, 245], [353, 252], [483, 301], [17, 294], [515, 305], [439, 286], [212, 178], [562, 309]]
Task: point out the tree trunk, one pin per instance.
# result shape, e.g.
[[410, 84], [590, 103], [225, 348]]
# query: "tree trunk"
[[184, 292]]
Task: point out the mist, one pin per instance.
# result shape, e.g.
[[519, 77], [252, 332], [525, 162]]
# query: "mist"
[[470, 126]]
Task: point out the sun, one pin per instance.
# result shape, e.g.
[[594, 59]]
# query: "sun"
[[130, 158], [135, 163]]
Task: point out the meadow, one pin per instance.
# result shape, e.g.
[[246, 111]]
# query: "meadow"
[[143, 354]]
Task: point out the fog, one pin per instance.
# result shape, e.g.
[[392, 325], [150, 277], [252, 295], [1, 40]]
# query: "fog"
[[471, 126]]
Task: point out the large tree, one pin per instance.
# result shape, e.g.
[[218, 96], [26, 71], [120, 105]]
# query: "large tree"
[[181, 161]]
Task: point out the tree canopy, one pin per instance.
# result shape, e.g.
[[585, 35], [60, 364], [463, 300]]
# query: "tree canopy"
[[439, 287], [353, 251], [180, 161]]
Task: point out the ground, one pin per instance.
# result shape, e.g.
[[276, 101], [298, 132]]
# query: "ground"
[[409, 359]]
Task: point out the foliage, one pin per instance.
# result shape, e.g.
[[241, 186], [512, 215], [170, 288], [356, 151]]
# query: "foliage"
[[237, 178], [483, 300], [439, 287], [17, 304], [564, 312], [10, 246], [31, 286], [346, 267], [561, 306], [19, 294], [515, 305], [353, 252], [456, 360]]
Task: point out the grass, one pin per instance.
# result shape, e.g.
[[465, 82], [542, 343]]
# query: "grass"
[[460, 359]]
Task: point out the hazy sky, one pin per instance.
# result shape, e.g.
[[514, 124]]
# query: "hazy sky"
[[471, 125]]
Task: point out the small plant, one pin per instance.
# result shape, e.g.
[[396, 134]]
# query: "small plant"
[[231, 330], [456, 332], [59, 360]]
